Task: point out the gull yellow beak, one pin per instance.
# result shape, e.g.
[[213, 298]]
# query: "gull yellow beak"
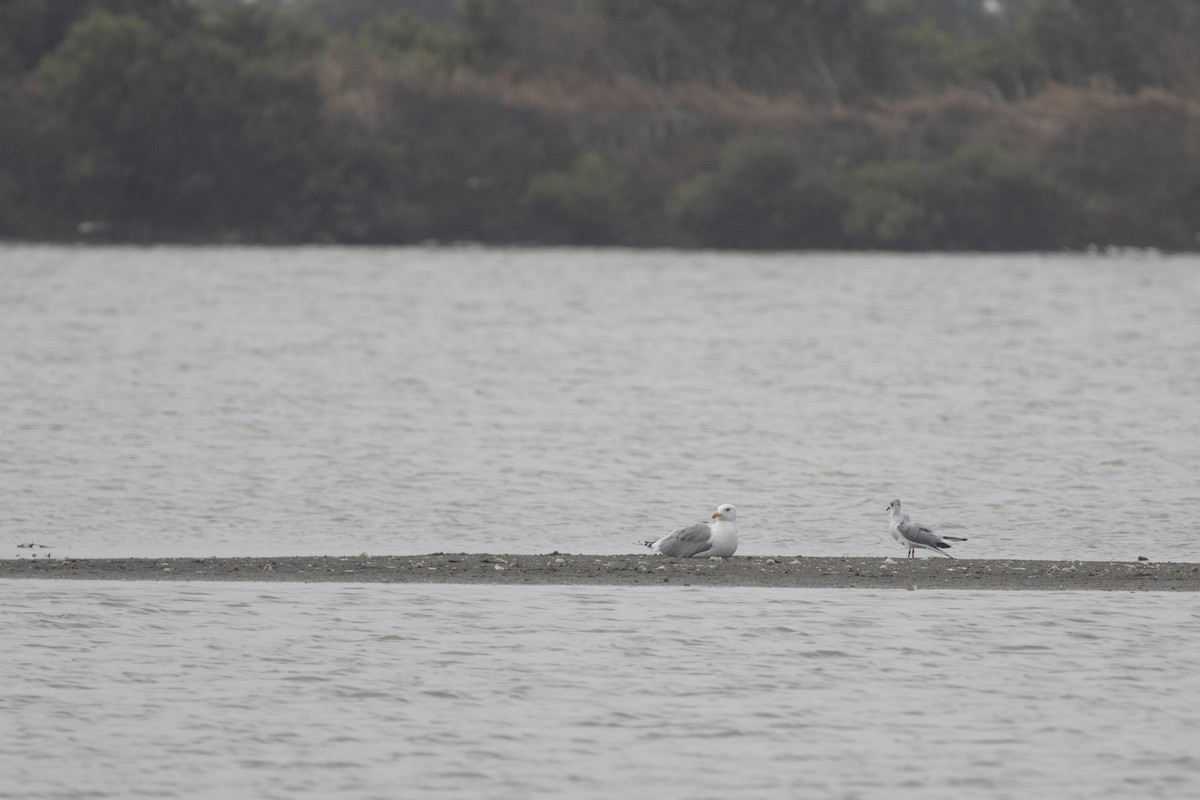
[[716, 514]]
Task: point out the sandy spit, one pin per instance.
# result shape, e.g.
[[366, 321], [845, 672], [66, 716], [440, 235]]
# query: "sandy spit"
[[632, 570]]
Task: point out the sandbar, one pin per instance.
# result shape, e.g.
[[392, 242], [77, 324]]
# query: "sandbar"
[[804, 572]]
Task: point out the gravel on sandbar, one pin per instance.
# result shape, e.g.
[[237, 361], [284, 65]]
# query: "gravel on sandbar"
[[632, 570]]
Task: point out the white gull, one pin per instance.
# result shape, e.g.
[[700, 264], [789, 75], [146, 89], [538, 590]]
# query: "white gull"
[[912, 534], [704, 538]]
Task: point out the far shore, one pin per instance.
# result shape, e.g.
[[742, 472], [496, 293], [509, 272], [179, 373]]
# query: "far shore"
[[564, 569]]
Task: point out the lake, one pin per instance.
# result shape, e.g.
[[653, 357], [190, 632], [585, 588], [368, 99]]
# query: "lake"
[[325, 401], [115, 690], [240, 401]]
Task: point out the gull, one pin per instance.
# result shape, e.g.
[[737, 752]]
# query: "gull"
[[913, 534], [702, 538]]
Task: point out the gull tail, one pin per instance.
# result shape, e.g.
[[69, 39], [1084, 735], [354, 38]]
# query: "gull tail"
[[940, 548], [645, 544], [955, 538]]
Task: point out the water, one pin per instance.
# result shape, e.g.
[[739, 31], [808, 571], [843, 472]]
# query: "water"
[[118, 690], [228, 401]]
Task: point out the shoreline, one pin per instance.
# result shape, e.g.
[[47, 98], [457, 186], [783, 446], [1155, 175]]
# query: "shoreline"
[[562, 569]]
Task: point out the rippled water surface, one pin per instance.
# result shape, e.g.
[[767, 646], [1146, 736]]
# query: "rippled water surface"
[[325, 401], [116, 690], [225, 401]]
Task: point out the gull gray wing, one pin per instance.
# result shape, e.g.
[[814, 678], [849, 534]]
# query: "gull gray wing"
[[687, 542], [920, 534]]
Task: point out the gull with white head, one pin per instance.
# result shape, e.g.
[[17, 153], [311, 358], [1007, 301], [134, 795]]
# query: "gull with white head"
[[912, 534], [717, 537]]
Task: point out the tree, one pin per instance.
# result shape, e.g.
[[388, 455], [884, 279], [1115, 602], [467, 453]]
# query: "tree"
[[772, 46], [186, 131], [1136, 44]]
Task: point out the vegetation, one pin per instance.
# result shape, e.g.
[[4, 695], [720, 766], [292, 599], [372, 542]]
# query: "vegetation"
[[883, 124]]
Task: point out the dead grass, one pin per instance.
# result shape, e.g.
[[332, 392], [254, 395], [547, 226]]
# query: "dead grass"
[[629, 120]]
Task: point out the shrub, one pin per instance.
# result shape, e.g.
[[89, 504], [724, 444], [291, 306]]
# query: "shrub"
[[582, 205], [887, 206], [740, 203], [981, 199]]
